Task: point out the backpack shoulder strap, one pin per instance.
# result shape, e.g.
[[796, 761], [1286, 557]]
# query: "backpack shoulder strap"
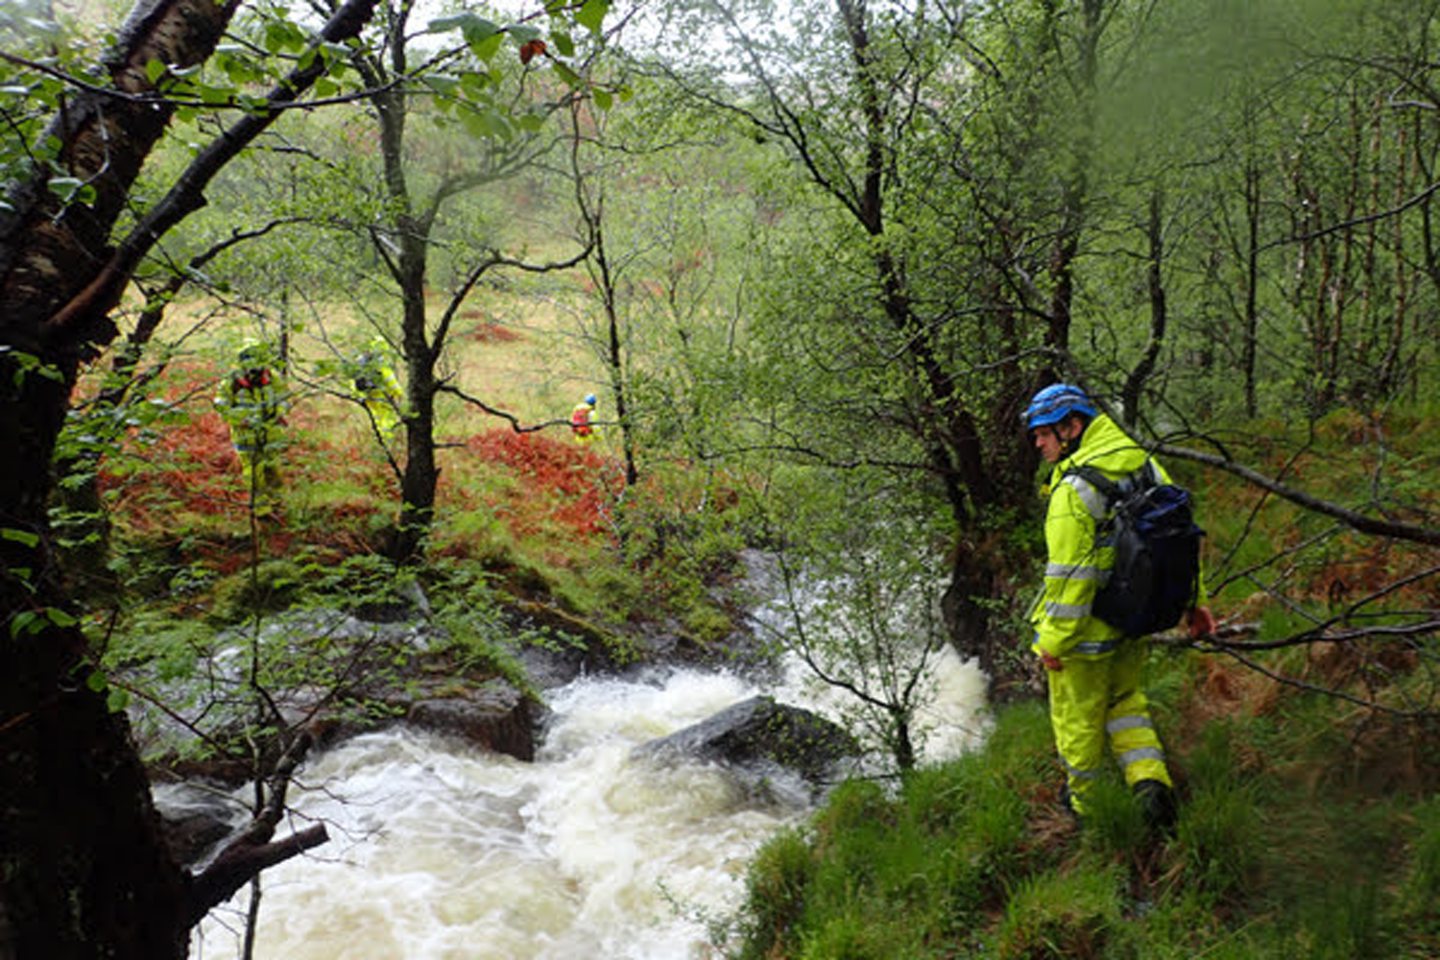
[[1101, 493]]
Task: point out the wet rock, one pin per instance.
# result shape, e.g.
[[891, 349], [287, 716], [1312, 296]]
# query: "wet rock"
[[196, 818], [758, 735], [494, 716]]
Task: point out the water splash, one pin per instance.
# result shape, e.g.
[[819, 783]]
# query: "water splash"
[[439, 851]]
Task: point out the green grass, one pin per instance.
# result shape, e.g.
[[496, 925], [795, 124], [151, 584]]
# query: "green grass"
[[1273, 858]]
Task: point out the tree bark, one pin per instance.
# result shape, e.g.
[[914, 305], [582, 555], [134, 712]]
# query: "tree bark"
[[83, 869]]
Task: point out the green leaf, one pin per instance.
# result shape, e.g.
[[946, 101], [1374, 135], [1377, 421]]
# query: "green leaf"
[[117, 700], [480, 29], [25, 623], [487, 48], [23, 537], [603, 98], [96, 681], [154, 70], [531, 122], [564, 45], [254, 104], [474, 85], [451, 21], [442, 83], [65, 187], [592, 14], [523, 33], [275, 38], [486, 124], [214, 96], [59, 617]]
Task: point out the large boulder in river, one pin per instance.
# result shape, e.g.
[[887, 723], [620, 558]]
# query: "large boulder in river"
[[759, 735], [493, 716]]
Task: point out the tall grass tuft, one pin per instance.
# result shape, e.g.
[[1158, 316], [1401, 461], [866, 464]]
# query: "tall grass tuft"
[[1220, 832], [1064, 915]]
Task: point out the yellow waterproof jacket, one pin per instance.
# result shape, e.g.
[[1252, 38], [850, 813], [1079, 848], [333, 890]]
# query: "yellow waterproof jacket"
[[375, 380], [1076, 567]]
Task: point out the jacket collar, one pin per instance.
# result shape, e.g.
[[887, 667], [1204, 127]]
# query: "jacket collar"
[[1104, 440]]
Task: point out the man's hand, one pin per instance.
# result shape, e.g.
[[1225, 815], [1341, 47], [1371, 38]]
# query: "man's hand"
[[1051, 661], [1200, 621]]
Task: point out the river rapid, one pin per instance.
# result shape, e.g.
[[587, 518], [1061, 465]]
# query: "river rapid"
[[439, 851]]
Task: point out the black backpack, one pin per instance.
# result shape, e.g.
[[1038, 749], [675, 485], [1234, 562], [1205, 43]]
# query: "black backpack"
[[1157, 551]]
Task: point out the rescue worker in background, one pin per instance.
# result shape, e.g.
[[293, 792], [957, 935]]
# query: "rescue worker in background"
[[580, 424], [1094, 671], [252, 402], [375, 385]]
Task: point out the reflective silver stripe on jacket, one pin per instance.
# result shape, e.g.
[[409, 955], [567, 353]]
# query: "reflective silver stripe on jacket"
[[1076, 571], [1067, 611], [1076, 772], [1096, 646], [1093, 499]]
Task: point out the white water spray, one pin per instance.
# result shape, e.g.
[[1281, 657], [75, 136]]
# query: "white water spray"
[[440, 852]]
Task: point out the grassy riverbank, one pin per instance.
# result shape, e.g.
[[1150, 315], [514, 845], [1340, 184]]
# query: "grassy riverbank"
[[1309, 829]]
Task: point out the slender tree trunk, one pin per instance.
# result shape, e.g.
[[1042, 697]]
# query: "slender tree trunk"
[[1251, 322], [1155, 281], [614, 352], [421, 475]]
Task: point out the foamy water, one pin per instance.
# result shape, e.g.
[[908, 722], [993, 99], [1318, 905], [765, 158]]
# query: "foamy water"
[[440, 852]]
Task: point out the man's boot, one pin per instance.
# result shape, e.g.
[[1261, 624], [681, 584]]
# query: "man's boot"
[[1157, 801]]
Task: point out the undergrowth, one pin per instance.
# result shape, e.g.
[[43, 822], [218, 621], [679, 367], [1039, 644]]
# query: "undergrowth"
[[1289, 844]]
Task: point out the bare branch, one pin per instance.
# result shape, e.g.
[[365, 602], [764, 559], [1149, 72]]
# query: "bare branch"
[[1356, 521], [514, 421], [187, 195], [251, 852]]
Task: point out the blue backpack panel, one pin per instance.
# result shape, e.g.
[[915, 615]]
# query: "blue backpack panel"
[[1157, 551]]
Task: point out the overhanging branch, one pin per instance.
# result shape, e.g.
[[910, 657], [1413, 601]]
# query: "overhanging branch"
[[1352, 519]]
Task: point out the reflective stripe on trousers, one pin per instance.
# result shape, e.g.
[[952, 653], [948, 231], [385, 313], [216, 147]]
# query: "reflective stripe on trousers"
[[1092, 700]]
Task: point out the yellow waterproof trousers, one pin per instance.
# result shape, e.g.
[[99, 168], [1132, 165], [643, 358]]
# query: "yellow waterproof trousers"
[[1091, 700], [383, 415]]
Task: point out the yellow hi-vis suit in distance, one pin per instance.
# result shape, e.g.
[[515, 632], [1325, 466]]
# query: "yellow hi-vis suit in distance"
[[374, 382], [1098, 694], [580, 423]]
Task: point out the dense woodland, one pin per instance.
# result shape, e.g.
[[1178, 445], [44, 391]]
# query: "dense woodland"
[[813, 259]]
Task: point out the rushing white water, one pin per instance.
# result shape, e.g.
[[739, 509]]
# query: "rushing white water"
[[440, 851]]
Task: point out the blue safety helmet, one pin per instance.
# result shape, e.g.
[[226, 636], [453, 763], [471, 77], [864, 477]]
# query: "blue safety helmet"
[[590, 399], [1055, 403]]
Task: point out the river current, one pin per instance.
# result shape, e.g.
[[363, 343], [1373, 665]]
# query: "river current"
[[439, 851]]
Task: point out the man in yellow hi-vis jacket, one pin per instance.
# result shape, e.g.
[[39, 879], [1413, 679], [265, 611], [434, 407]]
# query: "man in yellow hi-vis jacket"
[[1094, 670], [373, 379]]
